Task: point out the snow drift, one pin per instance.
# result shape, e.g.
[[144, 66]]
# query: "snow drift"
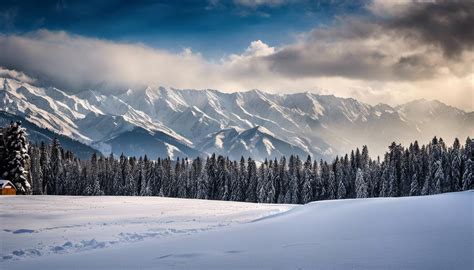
[[430, 232]]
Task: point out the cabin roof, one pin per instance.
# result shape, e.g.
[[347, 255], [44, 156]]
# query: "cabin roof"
[[4, 183]]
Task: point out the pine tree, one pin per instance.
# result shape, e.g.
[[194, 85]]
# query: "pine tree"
[[196, 172], [339, 175], [385, 178], [222, 179], [36, 171], [238, 183], [438, 178], [427, 186], [56, 168], [282, 186], [307, 181], [45, 165], [341, 190], [252, 180], [456, 167], [361, 185], [128, 186], [332, 188], [468, 176], [15, 158], [203, 186], [414, 186]]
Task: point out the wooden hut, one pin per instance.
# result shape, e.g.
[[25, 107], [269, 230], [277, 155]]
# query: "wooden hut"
[[7, 188]]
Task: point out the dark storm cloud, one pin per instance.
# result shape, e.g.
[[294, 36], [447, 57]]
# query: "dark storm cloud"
[[447, 24], [413, 43]]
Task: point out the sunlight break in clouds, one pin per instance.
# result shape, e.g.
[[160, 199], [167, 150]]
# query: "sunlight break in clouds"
[[394, 57]]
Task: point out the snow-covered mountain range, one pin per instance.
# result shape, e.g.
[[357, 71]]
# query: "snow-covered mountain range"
[[171, 122]]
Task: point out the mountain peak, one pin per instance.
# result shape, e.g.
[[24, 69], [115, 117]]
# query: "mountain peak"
[[252, 123]]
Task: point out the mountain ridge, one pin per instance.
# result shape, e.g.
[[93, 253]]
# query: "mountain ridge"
[[303, 123]]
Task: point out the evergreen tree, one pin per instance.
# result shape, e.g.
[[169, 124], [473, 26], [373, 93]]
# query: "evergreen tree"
[[361, 185], [203, 186], [56, 167], [468, 176], [341, 190], [438, 178], [332, 188], [414, 186], [252, 180], [15, 159], [36, 171], [307, 181]]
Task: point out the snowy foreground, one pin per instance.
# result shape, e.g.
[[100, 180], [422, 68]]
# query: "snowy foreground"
[[53, 232]]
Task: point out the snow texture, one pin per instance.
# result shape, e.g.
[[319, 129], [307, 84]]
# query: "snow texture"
[[426, 232]]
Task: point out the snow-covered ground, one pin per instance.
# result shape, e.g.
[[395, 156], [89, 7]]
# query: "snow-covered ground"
[[46, 232]]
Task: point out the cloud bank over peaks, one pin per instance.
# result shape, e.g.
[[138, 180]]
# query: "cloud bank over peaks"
[[400, 51]]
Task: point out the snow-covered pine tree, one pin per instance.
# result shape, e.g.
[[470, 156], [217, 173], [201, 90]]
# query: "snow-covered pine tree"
[[339, 175], [394, 190], [468, 176], [211, 178], [148, 177], [203, 184], [16, 161], [45, 167], [282, 187], [179, 188], [261, 181], [181, 181], [127, 185], [307, 181], [414, 186], [157, 185], [36, 172], [252, 180], [196, 173], [341, 190], [332, 186], [468, 156], [222, 179], [385, 177], [73, 172], [167, 177], [316, 184], [267, 189], [361, 185], [276, 181], [240, 186], [293, 181], [93, 186], [456, 166], [190, 183], [438, 178], [56, 167]]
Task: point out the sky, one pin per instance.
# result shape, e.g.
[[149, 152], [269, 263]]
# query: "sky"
[[375, 51]]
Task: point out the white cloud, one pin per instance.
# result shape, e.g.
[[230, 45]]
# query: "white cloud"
[[13, 74], [369, 60]]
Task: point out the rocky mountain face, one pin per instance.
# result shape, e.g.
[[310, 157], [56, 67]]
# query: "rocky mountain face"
[[175, 122]]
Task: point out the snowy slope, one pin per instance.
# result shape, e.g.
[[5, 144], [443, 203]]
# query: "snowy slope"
[[258, 143], [54, 226], [430, 232], [322, 125], [140, 142]]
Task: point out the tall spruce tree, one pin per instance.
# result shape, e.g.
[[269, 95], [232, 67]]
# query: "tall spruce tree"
[[361, 185], [15, 159]]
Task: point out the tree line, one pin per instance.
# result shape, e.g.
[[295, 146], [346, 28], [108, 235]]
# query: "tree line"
[[416, 170]]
